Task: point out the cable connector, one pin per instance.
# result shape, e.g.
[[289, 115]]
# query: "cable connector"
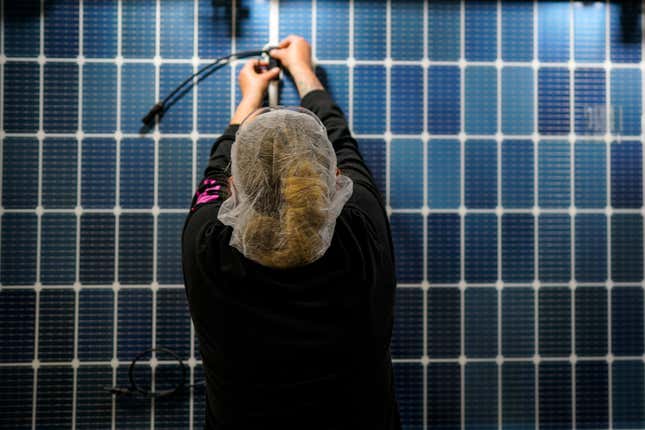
[[136, 391], [157, 109], [269, 48], [272, 62], [274, 86], [119, 391]]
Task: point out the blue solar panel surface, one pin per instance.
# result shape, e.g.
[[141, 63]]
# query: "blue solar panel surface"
[[505, 136]]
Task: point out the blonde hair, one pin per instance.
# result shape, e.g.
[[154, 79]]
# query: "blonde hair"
[[285, 195], [304, 214]]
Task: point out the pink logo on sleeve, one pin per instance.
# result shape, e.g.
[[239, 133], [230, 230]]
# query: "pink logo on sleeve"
[[208, 191]]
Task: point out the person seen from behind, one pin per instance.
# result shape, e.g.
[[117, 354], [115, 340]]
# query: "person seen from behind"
[[288, 266]]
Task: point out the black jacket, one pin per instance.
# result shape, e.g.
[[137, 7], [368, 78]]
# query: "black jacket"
[[306, 347]]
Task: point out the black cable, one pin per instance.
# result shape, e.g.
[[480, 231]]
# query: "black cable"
[[162, 106], [136, 390]]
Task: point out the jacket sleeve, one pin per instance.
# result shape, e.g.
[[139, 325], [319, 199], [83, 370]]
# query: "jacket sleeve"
[[213, 187], [349, 159]]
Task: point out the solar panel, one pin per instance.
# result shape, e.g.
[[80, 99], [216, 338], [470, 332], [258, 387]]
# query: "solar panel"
[[505, 136]]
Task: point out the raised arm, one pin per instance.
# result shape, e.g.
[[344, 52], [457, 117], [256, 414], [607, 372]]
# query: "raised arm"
[[295, 54], [253, 81]]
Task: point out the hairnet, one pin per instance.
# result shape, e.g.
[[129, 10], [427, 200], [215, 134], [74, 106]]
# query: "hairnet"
[[286, 195]]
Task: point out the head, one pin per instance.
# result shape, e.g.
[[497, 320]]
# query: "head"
[[286, 189]]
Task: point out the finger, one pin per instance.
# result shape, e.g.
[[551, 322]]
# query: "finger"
[[287, 41], [270, 74], [278, 54], [249, 66], [261, 67]]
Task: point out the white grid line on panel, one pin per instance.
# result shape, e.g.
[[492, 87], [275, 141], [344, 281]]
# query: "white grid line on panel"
[[41, 96], [118, 135], [117, 201], [274, 40], [79, 167], [608, 131], [500, 283], [2, 63], [90, 287], [388, 95], [41, 138], [155, 209], [543, 285], [118, 211], [350, 30], [572, 201], [310, 36], [462, 212], [426, 284], [85, 363], [424, 174], [425, 64], [204, 61], [274, 22], [425, 212], [119, 71], [79, 133], [642, 209], [115, 211], [77, 245], [314, 30], [194, 135], [536, 209], [420, 360], [114, 362], [194, 138], [350, 69], [232, 64], [153, 359]]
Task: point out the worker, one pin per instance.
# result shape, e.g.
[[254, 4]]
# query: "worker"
[[288, 266]]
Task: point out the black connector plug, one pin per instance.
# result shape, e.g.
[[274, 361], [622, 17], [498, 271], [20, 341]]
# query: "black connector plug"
[[157, 109], [118, 391], [274, 63]]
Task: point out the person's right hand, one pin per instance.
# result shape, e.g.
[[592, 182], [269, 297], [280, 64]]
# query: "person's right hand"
[[295, 54]]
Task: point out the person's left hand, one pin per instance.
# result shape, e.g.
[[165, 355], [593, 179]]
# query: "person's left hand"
[[254, 80]]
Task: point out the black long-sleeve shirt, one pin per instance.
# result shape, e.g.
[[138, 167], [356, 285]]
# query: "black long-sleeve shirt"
[[305, 347]]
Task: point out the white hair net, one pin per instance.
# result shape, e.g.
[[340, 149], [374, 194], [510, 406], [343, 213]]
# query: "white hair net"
[[286, 195]]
